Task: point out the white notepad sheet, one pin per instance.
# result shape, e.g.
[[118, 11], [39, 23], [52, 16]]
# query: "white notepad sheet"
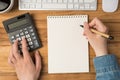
[[67, 47]]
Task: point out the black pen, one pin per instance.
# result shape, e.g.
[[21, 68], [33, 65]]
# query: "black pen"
[[100, 33]]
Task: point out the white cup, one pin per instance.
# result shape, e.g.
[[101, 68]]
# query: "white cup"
[[9, 7]]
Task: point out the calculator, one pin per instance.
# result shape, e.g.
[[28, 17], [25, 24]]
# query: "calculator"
[[23, 26]]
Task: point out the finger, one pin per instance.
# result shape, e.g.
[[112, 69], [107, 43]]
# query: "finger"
[[15, 50], [97, 24], [87, 31], [24, 48], [38, 61], [13, 60], [93, 22], [9, 58], [10, 62]]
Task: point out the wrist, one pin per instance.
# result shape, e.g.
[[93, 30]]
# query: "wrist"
[[101, 53]]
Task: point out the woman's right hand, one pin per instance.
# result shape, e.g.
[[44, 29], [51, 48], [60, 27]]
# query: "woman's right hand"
[[98, 42]]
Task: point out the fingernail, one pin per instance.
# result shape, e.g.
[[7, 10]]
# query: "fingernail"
[[23, 37], [37, 52], [16, 40]]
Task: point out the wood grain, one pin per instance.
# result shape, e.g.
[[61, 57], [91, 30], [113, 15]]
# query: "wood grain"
[[112, 20]]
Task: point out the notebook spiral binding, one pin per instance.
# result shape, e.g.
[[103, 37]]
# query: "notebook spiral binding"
[[69, 16]]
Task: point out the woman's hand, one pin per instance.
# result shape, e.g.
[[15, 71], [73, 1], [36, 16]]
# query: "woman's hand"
[[98, 42], [24, 65]]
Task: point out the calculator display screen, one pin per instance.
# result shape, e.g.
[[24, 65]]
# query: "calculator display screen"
[[17, 24]]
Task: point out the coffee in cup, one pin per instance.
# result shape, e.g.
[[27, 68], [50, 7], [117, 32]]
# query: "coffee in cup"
[[6, 5]]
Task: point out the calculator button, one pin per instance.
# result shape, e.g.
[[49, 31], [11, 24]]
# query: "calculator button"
[[19, 39], [31, 47], [25, 29], [33, 37], [21, 34], [31, 30], [30, 27], [33, 34], [30, 43], [36, 43], [13, 40], [17, 35], [21, 30], [29, 39], [12, 37], [27, 36], [26, 32]]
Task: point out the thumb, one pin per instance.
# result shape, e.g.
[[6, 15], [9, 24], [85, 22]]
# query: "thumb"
[[87, 31], [38, 61]]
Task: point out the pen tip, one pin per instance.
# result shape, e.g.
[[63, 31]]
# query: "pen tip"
[[81, 26], [111, 38]]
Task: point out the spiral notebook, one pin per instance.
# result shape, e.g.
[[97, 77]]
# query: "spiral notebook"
[[67, 47]]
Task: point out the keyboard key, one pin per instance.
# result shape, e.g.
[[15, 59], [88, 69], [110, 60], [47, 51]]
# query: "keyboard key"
[[87, 6], [27, 6], [54, 1], [92, 7], [88, 1], [81, 1], [70, 1], [70, 6], [44, 1], [33, 0], [49, 1], [81, 6], [75, 1], [25, 1], [39, 1], [59, 1], [54, 6], [76, 6], [38, 6], [64, 1], [32, 6]]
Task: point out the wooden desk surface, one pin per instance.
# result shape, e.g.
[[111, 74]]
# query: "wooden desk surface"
[[112, 20]]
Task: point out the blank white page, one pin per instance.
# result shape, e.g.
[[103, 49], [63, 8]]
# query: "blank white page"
[[67, 47]]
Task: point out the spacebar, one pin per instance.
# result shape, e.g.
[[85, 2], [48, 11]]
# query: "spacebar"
[[54, 6]]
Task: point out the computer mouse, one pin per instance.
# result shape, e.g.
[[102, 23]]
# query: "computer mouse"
[[110, 5]]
